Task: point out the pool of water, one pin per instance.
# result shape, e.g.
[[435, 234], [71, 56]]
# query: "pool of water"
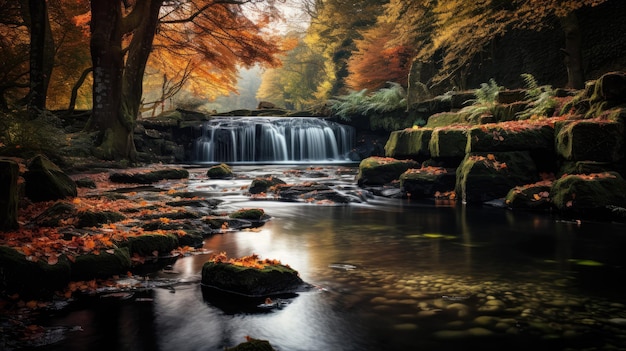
[[387, 274]]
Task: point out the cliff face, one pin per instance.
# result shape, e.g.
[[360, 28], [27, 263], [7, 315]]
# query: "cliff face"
[[539, 53]]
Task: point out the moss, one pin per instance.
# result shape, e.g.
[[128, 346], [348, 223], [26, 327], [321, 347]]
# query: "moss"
[[448, 142], [248, 281], [518, 137], [248, 213], [444, 119], [586, 140], [104, 265], [411, 143], [147, 244], [31, 279], [381, 170], [577, 193], [530, 197], [221, 171], [426, 182], [96, 219]]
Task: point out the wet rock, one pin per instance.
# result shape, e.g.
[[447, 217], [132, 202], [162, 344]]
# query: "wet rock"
[[427, 181], [45, 181], [149, 177], [381, 170], [30, 277], [249, 281], [586, 140], [149, 244], [263, 184], [409, 143], [252, 345], [530, 197], [221, 171], [103, 265], [589, 195]]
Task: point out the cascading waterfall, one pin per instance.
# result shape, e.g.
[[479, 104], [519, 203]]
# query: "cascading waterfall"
[[273, 140]]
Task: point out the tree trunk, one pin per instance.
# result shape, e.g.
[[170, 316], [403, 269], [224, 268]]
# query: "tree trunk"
[[9, 197], [573, 52], [38, 14], [108, 65]]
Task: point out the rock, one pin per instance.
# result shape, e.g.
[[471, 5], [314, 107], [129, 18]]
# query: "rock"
[[586, 140], [103, 265], [487, 176], [445, 119], [9, 199], [511, 96], [511, 137], [447, 142], [409, 143], [272, 279], [31, 279], [379, 170], [149, 244], [263, 184], [221, 171], [86, 183], [266, 105], [427, 181], [255, 214], [45, 181], [530, 197], [590, 195], [149, 177], [252, 345]]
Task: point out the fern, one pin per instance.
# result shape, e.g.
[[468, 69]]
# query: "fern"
[[485, 101], [541, 98], [362, 103]]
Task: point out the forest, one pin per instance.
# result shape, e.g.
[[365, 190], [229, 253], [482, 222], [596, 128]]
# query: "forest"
[[130, 59]]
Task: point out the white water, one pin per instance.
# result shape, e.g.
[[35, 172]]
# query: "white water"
[[273, 140]]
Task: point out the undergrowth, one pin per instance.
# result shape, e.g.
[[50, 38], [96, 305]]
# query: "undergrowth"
[[25, 137], [361, 103], [541, 99]]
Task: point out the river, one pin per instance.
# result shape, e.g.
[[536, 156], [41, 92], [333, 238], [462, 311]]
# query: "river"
[[387, 274]]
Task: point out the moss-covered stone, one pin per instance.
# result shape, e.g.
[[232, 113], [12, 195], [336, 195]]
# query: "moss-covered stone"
[[409, 143], [591, 193], [31, 279], [147, 244], [263, 184], [445, 119], [427, 181], [448, 142], [248, 281], [252, 345], [382, 170], [248, 213], [587, 140], [585, 167], [53, 215], [510, 137], [105, 264], [508, 112], [45, 181], [96, 219], [530, 197], [86, 183], [149, 177], [9, 199], [483, 177], [221, 171]]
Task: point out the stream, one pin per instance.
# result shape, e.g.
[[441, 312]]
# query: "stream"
[[386, 274]]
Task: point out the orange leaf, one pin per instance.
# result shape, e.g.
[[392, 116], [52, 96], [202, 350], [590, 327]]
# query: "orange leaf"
[[52, 260]]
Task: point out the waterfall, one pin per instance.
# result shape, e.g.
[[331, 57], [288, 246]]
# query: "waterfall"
[[273, 140]]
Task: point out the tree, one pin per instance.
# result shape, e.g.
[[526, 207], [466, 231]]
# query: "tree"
[[122, 37]]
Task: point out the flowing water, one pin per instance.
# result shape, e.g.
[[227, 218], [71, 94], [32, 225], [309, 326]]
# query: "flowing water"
[[273, 139], [387, 274]]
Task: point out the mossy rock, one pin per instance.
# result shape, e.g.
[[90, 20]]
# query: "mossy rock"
[[51, 216], [263, 184], [427, 181], [31, 279], [86, 183], [104, 265], [45, 181], [147, 244], [409, 143], [585, 167], [382, 170], [96, 219], [510, 137], [530, 197], [192, 238], [587, 140], [149, 177], [508, 112], [247, 281], [252, 345], [590, 194], [221, 171], [485, 176], [256, 216], [448, 142], [446, 119]]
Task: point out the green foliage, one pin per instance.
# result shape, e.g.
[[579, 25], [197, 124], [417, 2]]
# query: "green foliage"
[[22, 136], [485, 101], [360, 103], [541, 99]]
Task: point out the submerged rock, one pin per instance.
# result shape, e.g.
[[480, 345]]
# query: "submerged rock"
[[221, 171]]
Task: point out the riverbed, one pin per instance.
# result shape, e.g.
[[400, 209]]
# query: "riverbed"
[[384, 274]]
